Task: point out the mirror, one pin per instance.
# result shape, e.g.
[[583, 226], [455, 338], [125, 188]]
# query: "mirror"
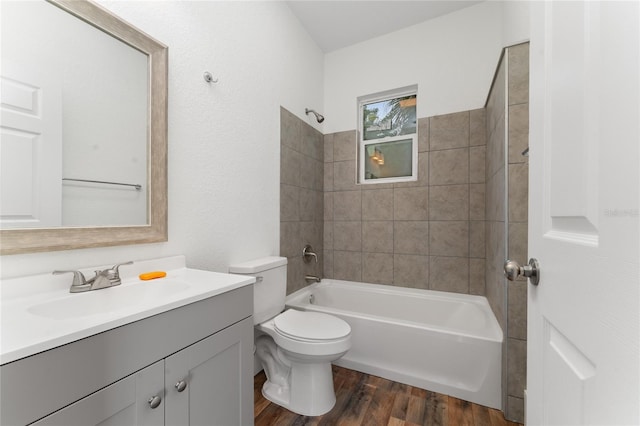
[[112, 127]]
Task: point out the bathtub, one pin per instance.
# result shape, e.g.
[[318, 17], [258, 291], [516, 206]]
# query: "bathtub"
[[443, 342]]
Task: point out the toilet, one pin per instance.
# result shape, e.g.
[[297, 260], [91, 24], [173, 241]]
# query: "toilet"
[[295, 348]]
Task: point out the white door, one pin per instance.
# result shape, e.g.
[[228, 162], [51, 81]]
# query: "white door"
[[584, 321], [30, 148]]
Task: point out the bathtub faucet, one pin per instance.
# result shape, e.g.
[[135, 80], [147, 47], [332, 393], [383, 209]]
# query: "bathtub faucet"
[[308, 253], [311, 278]]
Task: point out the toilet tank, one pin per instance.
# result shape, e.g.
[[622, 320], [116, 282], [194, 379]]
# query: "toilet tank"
[[270, 289]]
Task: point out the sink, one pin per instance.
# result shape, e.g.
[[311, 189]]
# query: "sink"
[[108, 300]]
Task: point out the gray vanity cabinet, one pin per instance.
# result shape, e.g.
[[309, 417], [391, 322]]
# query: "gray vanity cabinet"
[[124, 403], [204, 382], [109, 378]]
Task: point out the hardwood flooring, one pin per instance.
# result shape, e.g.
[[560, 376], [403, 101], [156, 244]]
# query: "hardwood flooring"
[[366, 400]]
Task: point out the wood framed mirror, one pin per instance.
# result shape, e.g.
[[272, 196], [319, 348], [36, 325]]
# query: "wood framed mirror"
[[153, 226]]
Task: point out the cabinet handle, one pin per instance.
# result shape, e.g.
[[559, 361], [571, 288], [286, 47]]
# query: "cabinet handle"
[[154, 401], [181, 385]]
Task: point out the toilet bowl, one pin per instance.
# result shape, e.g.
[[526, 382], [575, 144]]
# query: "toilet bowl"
[[295, 348]]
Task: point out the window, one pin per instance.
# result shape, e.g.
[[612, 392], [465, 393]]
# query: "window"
[[388, 146]]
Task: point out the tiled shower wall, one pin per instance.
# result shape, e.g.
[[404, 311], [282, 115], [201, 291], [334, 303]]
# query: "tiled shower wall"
[[301, 197], [426, 234], [508, 106]]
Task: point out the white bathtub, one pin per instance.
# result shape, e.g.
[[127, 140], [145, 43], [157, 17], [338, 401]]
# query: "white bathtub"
[[444, 342]]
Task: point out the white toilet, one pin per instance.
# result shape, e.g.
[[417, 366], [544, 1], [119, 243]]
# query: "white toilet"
[[295, 348]]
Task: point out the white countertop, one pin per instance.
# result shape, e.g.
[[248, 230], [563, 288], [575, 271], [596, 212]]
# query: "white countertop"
[[38, 313]]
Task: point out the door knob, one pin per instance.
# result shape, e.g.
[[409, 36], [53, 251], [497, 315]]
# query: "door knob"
[[513, 270]]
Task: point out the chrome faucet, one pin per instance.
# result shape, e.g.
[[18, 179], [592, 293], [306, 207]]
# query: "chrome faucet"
[[308, 253], [103, 279], [312, 278]]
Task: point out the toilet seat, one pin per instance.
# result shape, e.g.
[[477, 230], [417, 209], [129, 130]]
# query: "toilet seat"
[[310, 327], [326, 335]]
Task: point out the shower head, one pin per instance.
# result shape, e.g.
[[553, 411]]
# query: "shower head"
[[319, 117]]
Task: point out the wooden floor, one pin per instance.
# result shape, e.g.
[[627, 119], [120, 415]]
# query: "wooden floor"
[[362, 399]]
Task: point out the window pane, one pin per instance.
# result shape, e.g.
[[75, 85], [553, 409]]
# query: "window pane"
[[392, 117], [388, 159]]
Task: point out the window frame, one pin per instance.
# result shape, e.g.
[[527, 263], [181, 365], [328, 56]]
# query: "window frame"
[[362, 143]]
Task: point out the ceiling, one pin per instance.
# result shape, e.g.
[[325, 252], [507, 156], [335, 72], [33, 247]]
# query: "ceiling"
[[337, 24]]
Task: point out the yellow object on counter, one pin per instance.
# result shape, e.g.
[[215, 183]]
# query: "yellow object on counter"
[[152, 275]]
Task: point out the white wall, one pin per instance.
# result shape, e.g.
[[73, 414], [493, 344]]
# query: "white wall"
[[452, 59], [515, 18], [224, 138]]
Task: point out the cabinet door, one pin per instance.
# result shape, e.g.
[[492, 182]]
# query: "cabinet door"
[[126, 402], [217, 372]]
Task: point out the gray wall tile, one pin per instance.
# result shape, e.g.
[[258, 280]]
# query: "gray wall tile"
[[344, 146], [477, 232], [377, 236], [518, 192], [411, 271], [477, 164], [312, 143], [518, 132], [449, 274], [347, 236], [518, 241], [289, 203], [327, 241], [295, 279], [328, 206], [347, 265], [344, 176], [377, 204], [327, 178], [449, 167], [423, 134], [290, 163], [411, 237], [449, 238], [477, 127], [518, 74], [411, 203], [328, 148], [515, 409], [327, 266], [290, 130], [517, 310], [477, 201], [476, 277], [290, 239], [308, 205], [377, 268], [347, 205], [516, 367], [449, 202], [449, 131]]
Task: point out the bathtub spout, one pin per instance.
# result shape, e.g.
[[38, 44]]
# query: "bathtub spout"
[[312, 278]]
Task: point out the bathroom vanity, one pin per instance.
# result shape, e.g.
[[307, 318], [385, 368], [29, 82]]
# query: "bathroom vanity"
[[183, 357]]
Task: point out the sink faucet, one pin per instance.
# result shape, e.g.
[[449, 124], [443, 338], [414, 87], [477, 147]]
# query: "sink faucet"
[[103, 279]]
